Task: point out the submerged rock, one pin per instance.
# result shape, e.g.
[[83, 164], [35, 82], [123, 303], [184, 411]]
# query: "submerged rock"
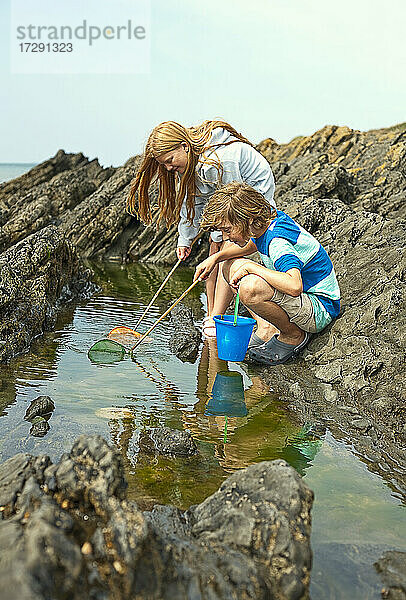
[[185, 337], [392, 570], [171, 442], [67, 531], [42, 406]]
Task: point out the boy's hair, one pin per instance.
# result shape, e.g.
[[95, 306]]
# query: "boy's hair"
[[238, 204], [165, 137]]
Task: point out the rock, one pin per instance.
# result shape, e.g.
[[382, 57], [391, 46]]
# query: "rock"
[[185, 337], [38, 276], [171, 442], [40, 427], [330, 395], [67, 527], [249, 509], [42, 195], [42, 406], [392, 570], [360, 424]]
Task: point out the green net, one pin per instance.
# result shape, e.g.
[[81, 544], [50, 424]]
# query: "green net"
[[106, 351]]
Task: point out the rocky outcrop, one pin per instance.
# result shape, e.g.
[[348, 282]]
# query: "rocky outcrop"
[[365, 170], [373, 162], [48, 191], [185, 338], [38, 276], [67, 531]]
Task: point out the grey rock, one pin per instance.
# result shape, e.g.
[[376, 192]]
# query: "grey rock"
[[185, 338], [42, 406], [67, 531], [40, 427], [330, 395], [360, 424], [163, 440]]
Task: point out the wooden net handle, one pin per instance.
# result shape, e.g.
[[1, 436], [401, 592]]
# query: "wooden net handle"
[[164, 315]]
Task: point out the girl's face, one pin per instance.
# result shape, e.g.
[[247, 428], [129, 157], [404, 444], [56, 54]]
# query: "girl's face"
[[175, 160]]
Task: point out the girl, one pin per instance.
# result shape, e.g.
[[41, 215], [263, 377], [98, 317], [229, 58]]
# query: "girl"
[[190, 164]]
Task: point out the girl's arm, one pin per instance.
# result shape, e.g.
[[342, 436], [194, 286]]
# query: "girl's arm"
[[289, 282], [187, 231]]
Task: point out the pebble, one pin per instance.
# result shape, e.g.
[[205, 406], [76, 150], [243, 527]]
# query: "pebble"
[[331, 395], [118, 567], [43, 405], [113, 412], [87, 548]]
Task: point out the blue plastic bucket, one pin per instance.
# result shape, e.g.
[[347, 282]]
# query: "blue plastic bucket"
[[233, 340]]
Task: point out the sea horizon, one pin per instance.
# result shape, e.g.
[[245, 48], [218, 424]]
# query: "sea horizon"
[[11, 170]]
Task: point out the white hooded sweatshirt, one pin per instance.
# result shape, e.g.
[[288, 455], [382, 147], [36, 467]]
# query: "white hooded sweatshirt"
[[240, 162]]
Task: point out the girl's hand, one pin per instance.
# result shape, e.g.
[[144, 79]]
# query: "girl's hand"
[[204, 269], [182, 252], [247, 268]]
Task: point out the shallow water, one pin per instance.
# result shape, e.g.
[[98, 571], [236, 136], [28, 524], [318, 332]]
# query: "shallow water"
[[355, 516]]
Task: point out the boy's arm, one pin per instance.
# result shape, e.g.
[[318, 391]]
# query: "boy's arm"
[[289, 282], [204, 269], [235, 251]]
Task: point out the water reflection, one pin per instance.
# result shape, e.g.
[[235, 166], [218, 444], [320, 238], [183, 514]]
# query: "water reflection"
[[227, 396], [301, 450]]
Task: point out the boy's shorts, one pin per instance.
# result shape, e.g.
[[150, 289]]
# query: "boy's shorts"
[[306, 311]]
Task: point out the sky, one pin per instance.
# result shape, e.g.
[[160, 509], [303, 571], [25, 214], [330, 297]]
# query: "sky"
[[271, 68]]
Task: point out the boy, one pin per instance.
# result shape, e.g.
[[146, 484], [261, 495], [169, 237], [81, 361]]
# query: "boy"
[[294, 294]]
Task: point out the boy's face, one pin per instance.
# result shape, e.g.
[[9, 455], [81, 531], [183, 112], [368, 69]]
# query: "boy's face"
[[233, 233]]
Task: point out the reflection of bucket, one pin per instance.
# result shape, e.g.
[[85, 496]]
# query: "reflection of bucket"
[[227, 396], [232, 340]]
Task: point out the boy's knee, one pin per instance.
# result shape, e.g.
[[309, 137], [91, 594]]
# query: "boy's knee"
[[230, 266], [252, 290], [226, 269]]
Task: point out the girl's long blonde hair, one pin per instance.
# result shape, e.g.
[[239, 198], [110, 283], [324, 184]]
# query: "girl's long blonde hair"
[[164, 138]]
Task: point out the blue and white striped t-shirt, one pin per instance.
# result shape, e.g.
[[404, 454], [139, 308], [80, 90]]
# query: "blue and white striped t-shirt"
[[286, 245]]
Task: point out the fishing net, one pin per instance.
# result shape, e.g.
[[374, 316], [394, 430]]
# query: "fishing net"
[[106, 351], [126, 336]]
